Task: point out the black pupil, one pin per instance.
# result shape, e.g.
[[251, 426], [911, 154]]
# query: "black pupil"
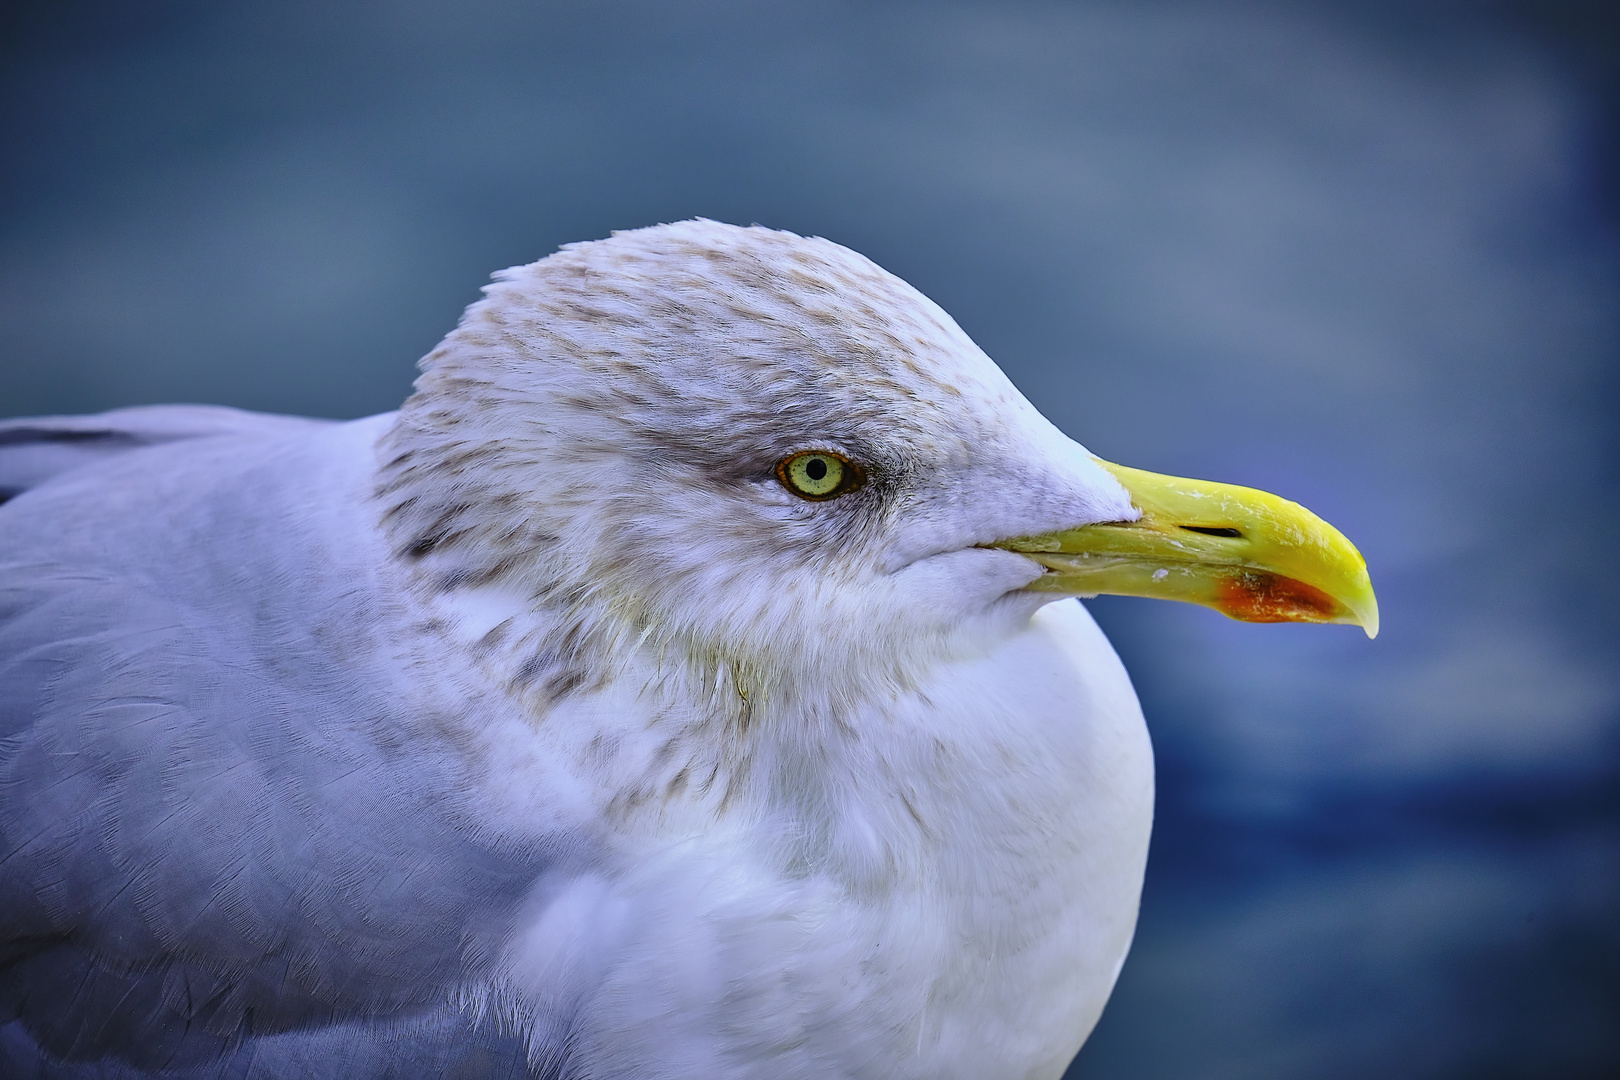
[[816, 468]]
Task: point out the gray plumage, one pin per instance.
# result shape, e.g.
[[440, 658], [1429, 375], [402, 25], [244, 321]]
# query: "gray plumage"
[[212, 863]]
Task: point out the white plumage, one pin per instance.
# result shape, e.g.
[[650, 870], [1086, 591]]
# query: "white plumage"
[[540, 727]]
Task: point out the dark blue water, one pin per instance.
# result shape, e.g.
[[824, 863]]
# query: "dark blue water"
[[1363, 255]]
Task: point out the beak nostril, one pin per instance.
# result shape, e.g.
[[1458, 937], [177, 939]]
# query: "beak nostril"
[[1212, 530]]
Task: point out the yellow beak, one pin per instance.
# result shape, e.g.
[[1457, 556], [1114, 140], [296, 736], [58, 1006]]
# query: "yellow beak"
[[1246, 553]]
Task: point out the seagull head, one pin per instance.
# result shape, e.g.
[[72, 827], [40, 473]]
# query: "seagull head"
[[764, 454]]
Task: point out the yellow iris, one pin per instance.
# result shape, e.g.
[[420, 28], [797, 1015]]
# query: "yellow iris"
[[819, 474]]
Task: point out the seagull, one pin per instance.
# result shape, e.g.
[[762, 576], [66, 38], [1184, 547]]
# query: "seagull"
[[686, 681]]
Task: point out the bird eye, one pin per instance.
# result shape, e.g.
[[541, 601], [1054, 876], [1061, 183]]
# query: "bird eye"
[[819, 474]]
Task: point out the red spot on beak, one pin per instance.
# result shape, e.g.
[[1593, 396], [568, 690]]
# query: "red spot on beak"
[[1255, 596]]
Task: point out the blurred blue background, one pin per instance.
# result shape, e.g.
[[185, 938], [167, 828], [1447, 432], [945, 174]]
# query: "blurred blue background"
[[1361, 254]]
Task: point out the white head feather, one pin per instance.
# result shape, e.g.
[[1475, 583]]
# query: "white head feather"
[[600, 435]]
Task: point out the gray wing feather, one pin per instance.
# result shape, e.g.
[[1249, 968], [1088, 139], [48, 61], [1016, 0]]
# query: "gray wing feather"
[[34, 449], [217, 857]]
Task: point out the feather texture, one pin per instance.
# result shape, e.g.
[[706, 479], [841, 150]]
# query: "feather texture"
[[211, 834]]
